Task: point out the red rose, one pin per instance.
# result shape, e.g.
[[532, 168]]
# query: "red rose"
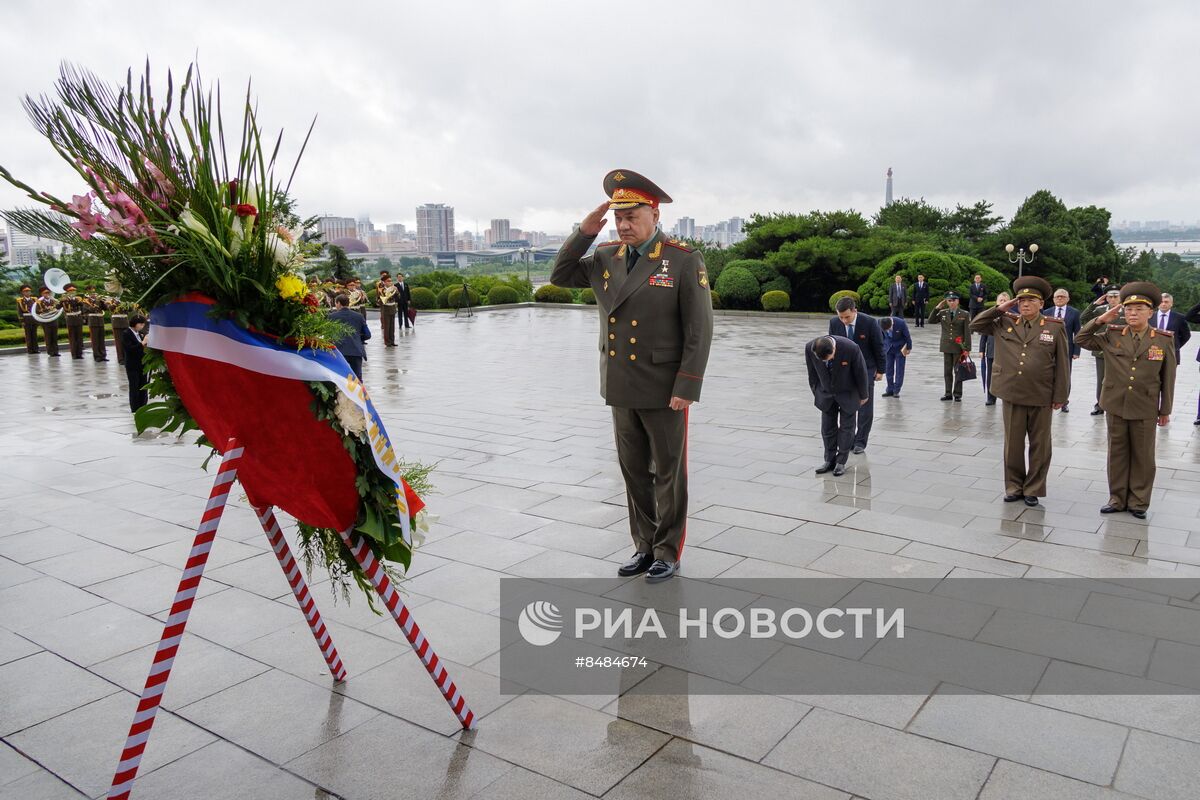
[[245, 210], [958, 340]]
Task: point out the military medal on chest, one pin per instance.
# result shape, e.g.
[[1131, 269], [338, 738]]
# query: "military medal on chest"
[[663, 277]]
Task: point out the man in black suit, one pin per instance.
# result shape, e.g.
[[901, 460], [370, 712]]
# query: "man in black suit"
[[133, 339], [1100, 287], [978, 296], [863, 331], [920, 298], [1193, 316], [1071, 324], [1167, 319], [837, 375], [403, 298], [351, 345], [897, 296]]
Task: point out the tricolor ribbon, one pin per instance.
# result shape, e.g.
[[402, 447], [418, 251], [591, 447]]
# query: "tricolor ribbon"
[[185, 327]]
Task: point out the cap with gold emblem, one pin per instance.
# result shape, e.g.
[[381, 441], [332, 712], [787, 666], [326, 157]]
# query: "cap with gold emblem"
[[1032, 286], [627, 189], [1141, 292]]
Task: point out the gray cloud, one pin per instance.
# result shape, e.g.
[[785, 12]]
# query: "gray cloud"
[[517, 109]]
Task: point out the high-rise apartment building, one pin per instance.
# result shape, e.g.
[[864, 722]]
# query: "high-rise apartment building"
[[501, 230], [435, 228], [337, 228]]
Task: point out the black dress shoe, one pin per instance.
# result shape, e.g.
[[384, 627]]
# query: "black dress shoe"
[[1066, 409], [958, 399], [639, 563], [887, 394], [839, 470], [989, 402], [1111, 509], [1031, 501], [1097, 411], [1197, 422], [1012, 498], [859, 449], [826, 467], [1137, 513], [661, 570], [946, 397]]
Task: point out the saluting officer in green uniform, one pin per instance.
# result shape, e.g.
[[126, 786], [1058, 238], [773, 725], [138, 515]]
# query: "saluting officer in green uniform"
[[1139, 389], [1110, 299], [955, 340], [655, 332], [1032, 375]]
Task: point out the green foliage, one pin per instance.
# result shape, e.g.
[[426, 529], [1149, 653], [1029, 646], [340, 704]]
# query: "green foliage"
[[715, 257], [776, 284], [838, 295], [943, 271], [553, 294], [776, 301], [85, 269], [1169, 273], [435, 280], [912, 215], [443, 296], [339, 264], [737, 287], [587, 297], [761, 270], [716, 299], [423, 299], [768, 233], [454, 297], [502, 295]]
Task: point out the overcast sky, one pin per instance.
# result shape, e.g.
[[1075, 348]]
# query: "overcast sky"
[[517, 109]]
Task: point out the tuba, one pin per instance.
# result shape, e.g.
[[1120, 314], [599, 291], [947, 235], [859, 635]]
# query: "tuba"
[[56, 281]]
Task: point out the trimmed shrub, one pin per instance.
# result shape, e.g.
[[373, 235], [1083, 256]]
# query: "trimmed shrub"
[[716, 299], [833, 298], [443, 297], [587, 297], [502, 294], [454, 297], [943, 271], [738, 287], [776, 301], [423, 299], [777, 284], [761, 270], [553, 294]]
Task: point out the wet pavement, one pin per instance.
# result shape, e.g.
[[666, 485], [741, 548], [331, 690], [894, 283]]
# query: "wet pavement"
[[96, 525]]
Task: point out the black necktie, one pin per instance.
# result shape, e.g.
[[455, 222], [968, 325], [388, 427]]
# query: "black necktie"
[[633, 257]]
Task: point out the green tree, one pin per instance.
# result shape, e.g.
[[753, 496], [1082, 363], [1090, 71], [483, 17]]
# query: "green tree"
[[912, 215], [84, 269], [339, 263], [973, 222]]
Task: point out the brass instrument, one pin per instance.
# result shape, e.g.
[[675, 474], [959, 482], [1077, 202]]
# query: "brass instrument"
[[56, 281]]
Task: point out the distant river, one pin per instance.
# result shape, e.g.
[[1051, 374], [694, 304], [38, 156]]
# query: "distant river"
[[1182, 246]]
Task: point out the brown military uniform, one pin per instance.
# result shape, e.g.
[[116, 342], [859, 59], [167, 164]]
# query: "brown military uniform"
[[655, 332], [46, 305], [74, 307], [1031, 373], [96, 306], [1089, 314], [954, 325], [25, 306], [1139, 387]]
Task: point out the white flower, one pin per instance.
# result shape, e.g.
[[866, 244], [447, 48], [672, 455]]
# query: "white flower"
[[279, 249], [350, 416], [112, 284]]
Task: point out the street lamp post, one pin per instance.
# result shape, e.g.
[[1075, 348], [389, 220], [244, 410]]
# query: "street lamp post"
[[1021, 258], [528, 256]]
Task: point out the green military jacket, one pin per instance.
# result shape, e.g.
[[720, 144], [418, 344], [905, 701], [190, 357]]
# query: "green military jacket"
[[955, 325], [655, 322], [1032, 365], [1139, 379], [1093, 311]]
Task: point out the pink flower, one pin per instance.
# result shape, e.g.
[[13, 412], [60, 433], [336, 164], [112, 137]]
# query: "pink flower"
[[80, 205]]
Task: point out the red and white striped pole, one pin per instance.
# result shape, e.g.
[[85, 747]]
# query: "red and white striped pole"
[[391, 598], [270, 525], [168, 645]]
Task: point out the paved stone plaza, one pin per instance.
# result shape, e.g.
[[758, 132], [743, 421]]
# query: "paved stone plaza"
[[96, 525]]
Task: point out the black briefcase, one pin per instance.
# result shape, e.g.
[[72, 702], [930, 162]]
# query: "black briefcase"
[[965, 370]]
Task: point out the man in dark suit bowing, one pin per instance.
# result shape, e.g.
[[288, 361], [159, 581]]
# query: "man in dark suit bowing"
[[1071, 323], [837, 375], [864, 332], [897, 344], [1166, 318]]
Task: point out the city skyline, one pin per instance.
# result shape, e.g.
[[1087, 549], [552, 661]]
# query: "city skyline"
[[767, 127]]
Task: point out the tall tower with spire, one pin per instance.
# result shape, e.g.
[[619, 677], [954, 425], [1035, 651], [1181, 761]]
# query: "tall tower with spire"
[[887, 195]]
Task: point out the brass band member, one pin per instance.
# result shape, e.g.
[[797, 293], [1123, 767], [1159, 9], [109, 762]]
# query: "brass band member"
[[1138, 391], [97, 305], [73, 307], [386, 298], [46, 304], [25, 305], [358, 298]]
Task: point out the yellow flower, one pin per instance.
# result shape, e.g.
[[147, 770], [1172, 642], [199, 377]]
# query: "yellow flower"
[[291, 288]]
